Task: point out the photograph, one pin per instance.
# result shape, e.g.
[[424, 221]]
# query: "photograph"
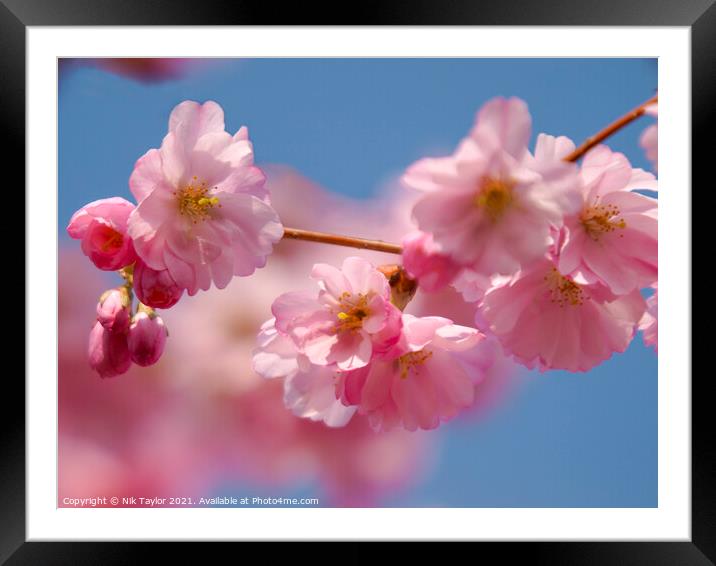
[[357, 282], [394, 280]]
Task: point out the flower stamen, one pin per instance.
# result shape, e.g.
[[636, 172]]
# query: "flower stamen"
[[353, 311], [564, 291], [195, 202], [600, 219], [494, 196], [413, 360]]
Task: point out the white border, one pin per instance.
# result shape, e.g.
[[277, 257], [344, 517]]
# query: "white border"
[[670, 521]]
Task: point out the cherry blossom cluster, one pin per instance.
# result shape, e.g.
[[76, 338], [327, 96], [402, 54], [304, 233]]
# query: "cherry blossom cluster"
[[203, 216], [551, 255]]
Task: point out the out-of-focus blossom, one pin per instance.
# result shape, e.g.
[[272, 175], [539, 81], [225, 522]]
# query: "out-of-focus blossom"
[[146, 338], [143, 69], [422, 384], [102, 227], [490, 205], [545, 318], [349, 321], [424, 260], [154, 288], [649, 324], [113, 309], [613, 239], [203, 210], [148, 70], [649, 139], [108, 351]]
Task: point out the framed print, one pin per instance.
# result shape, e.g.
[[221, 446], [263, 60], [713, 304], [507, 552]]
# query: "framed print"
[[394, 280]]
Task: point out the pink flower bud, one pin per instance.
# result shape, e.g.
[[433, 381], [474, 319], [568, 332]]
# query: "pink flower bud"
[[102, 227], [155, 289], [113, 310], [108, 352], [146, 338], [423, 260]]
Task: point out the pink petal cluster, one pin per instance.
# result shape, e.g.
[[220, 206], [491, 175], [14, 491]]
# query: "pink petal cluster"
[[649, 138], [309, 390], [347, 323], [553, 255], [546, 319], [424, 261], [491, 206], [102, 227], [203, 212], [421, 382], [350, 349], [613, 238], [649, 324]]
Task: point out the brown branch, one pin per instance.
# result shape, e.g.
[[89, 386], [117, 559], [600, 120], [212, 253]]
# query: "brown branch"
[[338, 240], [610, 129]]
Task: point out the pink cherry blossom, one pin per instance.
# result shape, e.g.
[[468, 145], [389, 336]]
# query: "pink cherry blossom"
[[422, 384], [349, 321], [649, 138], [155, 289], [613, 238], [113, 310], [146, 338], [545, 318], [203, 210], [309, 390], [108, 351], [102, 227], [423, 260], [649, 324], [490, 205]]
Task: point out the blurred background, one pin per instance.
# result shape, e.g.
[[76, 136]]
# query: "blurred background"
[[334, 135]]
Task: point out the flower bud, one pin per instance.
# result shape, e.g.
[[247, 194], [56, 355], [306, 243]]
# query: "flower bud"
[[146, 338], [108, 352], [402, 286], [102, 227], [113, 309], [155, 289]]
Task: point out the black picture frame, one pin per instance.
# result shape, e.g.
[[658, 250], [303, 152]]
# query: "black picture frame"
[[16, 15]]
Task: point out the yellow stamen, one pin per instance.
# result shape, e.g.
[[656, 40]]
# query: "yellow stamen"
[[195, 202], [494, 196], [353, 310], [564, 291], [600, 219], [412, 360]]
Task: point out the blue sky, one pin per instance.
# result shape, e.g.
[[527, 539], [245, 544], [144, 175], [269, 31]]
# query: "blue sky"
[[563, 440]]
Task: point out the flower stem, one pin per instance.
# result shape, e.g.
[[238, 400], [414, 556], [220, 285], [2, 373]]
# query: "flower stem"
[[387, 247], [339, 240], [610, 129]]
